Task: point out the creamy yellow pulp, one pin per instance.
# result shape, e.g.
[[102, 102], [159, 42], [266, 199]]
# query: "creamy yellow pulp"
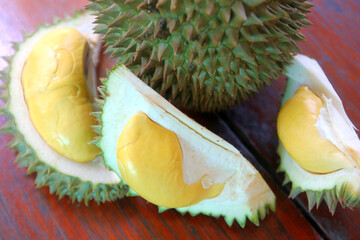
[[55, 91], [149, 158], [298, 133]]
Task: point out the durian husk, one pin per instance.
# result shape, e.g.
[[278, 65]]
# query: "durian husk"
[[202, 55], [341, 186], [59, 183], [254, 217]]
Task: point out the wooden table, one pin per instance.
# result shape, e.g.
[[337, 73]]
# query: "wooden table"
[[29, 213]]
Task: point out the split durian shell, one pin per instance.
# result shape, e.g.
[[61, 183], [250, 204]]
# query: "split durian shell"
[[202, 55], [81, 182], [341, 185], [245, 194]]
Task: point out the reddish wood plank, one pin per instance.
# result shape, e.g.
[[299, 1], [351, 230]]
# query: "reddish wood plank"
[[333, 40], [26, 213]]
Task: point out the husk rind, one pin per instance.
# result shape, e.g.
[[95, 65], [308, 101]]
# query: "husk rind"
[[255, 218], [59, 183], [339, 194], [202, 55]]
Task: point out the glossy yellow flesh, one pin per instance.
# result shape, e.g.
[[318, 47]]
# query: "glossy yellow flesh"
[[55, 91], [150, 161], [301, 138]]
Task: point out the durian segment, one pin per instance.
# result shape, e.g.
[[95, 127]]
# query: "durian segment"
[[203, 55], [79, 181], [149, 158], [333, 124], [298, 133], [337, 187], [245, 193], [55, 91]]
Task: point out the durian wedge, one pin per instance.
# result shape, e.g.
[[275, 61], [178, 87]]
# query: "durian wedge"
[[172, 161], [42, 88], [319, 148]]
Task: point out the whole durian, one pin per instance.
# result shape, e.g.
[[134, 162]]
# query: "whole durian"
[[47, 90], [202, 55]]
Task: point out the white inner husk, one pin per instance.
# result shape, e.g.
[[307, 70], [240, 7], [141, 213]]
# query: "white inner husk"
[[333, 124], [333, 127], [94, 171]]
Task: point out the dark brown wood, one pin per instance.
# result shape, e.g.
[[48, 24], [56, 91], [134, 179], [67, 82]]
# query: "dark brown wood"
[[333, 40]]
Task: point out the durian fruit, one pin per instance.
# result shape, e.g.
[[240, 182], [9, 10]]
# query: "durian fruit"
[[319, 148], [48, 89], [202, 55], [170, 160]]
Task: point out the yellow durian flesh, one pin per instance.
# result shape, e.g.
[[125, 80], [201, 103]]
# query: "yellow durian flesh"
[[55, 91], [298, 133], [150, 161]]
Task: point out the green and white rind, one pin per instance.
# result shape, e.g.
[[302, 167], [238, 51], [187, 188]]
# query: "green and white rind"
[[79, 181], [122, 91], [342, 186], [204, 55]]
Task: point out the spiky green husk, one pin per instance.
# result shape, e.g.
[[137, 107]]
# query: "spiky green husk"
[[58, 183], [202, 55], [254, 218], [338, 194]]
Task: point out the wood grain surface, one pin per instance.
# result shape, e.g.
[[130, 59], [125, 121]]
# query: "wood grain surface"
[[29, 213]]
